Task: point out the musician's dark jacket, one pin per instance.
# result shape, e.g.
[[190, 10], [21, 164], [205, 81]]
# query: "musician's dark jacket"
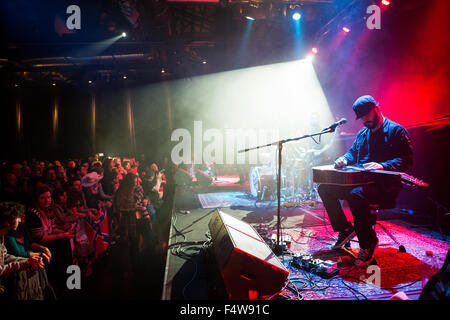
[[389, 146]]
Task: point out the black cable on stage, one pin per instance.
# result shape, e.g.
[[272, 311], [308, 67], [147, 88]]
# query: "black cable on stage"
[[181, 248]]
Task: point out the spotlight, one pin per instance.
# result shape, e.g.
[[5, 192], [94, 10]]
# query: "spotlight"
[[53, 84], [296, 16], [204, 61], [124, 34], [124, 77], [386, 2], [254, 11], [90, 81], [314, 50], [347, 30]]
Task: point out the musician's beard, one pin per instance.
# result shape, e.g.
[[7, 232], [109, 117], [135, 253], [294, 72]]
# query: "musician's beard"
[[372, 124]]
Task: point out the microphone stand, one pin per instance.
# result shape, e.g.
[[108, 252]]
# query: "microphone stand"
[[278, 249]]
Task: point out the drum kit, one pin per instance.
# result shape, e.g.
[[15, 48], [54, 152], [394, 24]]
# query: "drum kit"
[[296, 177]]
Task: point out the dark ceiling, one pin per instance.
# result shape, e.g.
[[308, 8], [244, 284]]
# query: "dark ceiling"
[[165, 39]]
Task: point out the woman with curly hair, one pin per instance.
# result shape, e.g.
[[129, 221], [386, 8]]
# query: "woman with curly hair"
[[129, 206], [24, 277], [130, 210]]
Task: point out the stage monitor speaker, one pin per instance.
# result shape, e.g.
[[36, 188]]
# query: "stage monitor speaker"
[[249, 268]]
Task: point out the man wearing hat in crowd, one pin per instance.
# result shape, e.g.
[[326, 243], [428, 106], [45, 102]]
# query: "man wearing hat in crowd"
[[380, 145], [93, 191]]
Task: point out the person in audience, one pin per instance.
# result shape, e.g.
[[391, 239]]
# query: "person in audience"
[[114, 214], [50, 179], [64, 215], [151, 186], [9, 190], [44, 164], [156, 170], [26, 171], [130, 211], [76, 208], [143, 222], [17, 169], [37, 170], [84, 168], [126, 166], [70, 164], [72, 170], [115, 181], [143, 163], [19, 242], [97, 199], [34, 285], [77, 202], [117, 162], [119, 168], [11, 266], [97, 167], [107, 181], [61, 175], [93, 192], [170, 169], [74, 173], [134, 168], [41, 221], [32, 184]]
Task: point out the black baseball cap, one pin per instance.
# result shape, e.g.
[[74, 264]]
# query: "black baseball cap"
[[363, 105]]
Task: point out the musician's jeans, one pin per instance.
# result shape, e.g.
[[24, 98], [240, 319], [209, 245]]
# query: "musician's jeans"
[[359, 199]]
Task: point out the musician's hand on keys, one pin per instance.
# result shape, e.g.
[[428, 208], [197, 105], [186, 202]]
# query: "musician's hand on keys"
[[373, 166], [340, 162]]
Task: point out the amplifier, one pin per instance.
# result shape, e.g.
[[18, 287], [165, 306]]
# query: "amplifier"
[[248, 266]]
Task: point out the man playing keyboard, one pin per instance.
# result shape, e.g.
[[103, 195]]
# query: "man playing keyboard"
[[380, 145]]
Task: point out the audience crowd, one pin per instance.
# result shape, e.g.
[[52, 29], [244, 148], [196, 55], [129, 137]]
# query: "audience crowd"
[[57, 214]]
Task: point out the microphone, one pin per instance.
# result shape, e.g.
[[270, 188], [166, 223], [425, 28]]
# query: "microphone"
[[333, 127]]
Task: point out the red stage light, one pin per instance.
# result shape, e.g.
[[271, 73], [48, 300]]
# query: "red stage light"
[[346, 29], [314, 50], [386, 2]]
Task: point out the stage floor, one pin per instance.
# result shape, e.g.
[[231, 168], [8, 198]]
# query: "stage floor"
[[190, 274]]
